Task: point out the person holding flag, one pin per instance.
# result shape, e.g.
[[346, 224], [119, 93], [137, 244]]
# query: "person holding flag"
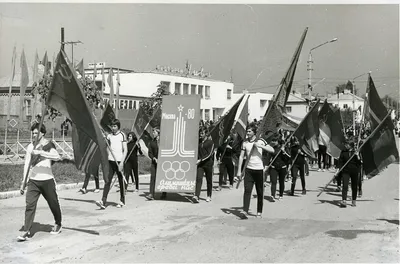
[[153, 155], [117, 152], [278, 168], [254, 171], [131, 164], [224, 156], [298, 165], [205, 164], [40, 180], [351, 171]]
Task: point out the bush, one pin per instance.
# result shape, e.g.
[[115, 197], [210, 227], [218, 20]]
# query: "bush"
[[64, 172]]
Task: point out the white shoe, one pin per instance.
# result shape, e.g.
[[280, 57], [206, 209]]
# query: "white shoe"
[[323, 170], [120, 205], [319, 170], [96, 191], [208, 199]]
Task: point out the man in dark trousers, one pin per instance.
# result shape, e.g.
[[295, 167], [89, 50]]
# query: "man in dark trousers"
[[224, 155], [153, 155]]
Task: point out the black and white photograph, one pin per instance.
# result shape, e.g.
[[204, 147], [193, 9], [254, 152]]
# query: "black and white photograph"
[[199, 131]]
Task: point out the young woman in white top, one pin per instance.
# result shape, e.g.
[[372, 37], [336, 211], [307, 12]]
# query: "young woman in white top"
[[254, 168]]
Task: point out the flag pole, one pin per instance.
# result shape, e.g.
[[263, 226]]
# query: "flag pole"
[[366, 104], [358, 149]]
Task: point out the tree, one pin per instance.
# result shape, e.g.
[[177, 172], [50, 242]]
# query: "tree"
[[150, 105], [90, 89], [344, 86]]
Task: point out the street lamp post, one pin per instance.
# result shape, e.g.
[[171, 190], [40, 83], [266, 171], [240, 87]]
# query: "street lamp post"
[[310, 62]]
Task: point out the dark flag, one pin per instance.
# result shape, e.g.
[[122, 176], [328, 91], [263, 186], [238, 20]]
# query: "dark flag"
[[106, 119], [222, 128], [140, 123], [375, 110], [308, 131], [66, 95], [271, 122], [380, 149], [285, 86], [241, 123], [335, 124]]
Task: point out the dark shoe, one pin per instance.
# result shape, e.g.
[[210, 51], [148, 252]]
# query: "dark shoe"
[[24, 236], [304, 192], [343, 204], [195, 199], [359, 193], [353, 203], [291, 193], [56, 230], [83, 190]]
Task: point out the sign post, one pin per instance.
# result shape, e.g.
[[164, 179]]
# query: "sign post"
[[179, 139]]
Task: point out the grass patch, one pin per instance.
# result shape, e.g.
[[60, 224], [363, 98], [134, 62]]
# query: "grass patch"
[[64, 172]]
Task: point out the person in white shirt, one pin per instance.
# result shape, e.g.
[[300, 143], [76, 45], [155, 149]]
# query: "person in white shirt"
[[40, 181], [254, 171], [117, 152]]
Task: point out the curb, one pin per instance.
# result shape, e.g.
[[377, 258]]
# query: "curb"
[[59, 187]]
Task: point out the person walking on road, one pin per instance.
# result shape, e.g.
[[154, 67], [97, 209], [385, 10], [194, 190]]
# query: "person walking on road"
[[83, 190], [351, 171], [298, 165], [131, 164], [40, 181], [254, 170], [117, 152], [205, 164]]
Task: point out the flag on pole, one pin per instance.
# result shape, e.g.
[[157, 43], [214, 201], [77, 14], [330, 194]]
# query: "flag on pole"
[[79, 68], [324, 129], [111, 85], [103, 83], [66, 95], [285, 86], [45, 63], [13, 62], [241, 123], [23, 86], [380, 150], [375, 110], [334, 122], [106, 119], [117, 90], [222, 128], [271, 122], [140, 122], [308, 130], [35, 68]]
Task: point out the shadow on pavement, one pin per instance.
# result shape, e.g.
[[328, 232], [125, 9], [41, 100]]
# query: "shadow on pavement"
[[79, 200], [394, 221], [37, 227], [236, 211], [334, 202], [173, 197], [91, 232]]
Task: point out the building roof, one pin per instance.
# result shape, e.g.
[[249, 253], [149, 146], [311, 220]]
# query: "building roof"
[[347, 96]]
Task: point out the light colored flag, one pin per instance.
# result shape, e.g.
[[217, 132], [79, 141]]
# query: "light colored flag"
[[23, 85], [103, 83], [118, 104], [13, 62], [111, 85]]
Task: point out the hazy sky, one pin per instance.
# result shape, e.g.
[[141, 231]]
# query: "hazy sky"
[[255, 42]]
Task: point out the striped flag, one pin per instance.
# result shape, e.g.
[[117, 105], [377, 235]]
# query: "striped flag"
[[23, 86], [111, 85], [66, 95], [241, 123]]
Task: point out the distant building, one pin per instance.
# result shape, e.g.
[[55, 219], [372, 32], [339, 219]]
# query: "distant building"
[[135, 86], [345, 101]]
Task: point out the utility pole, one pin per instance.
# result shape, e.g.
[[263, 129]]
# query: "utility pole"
[[72, 43]]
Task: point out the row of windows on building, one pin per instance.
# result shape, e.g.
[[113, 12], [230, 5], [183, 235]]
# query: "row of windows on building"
[[186, 88]]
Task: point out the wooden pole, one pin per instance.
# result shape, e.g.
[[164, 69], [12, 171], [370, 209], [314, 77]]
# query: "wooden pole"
[[9, 98]]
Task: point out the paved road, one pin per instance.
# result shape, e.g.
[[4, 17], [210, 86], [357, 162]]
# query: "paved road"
[[296, 229]]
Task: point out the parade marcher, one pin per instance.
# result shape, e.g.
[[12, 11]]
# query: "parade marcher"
[[117, 152], [83, 190], [298, 165], [205, 164], [254, 171], [224, 156], [153, 155], [131, 164], [278, 168], [349, 172], [322, 155], [40, 181]]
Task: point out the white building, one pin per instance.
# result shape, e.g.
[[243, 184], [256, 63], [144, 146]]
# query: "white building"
[[135, 86], [345, 101]]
